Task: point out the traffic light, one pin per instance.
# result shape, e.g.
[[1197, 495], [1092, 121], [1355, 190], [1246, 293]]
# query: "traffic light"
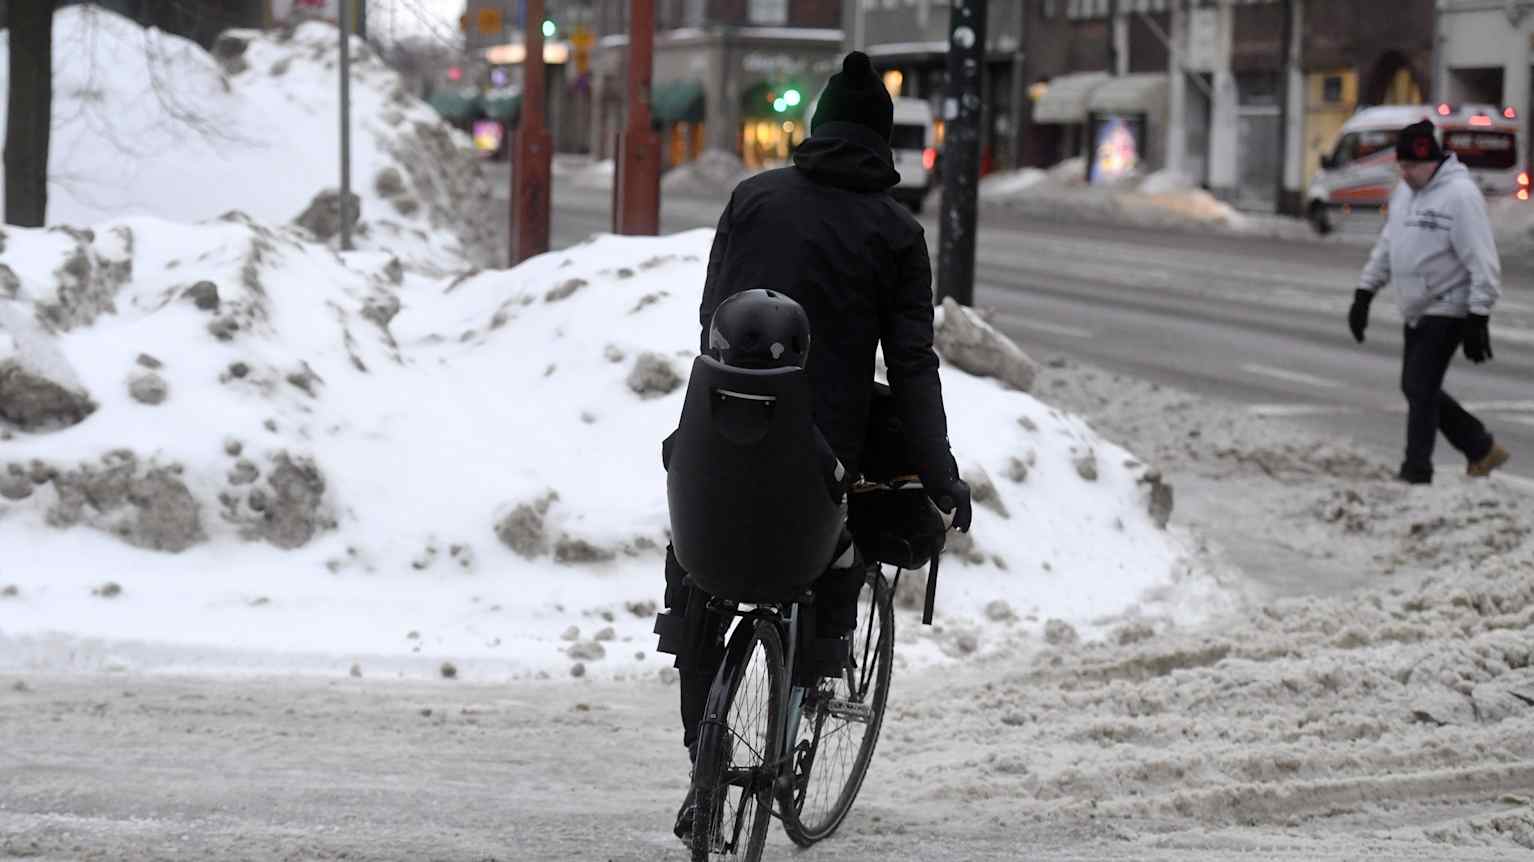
[[789, 98], [549, 28]]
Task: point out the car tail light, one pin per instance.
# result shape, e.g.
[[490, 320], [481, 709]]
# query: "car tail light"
[[1523, 194], [1443, 109], [929, 158], [1523, 179], [1510, 113], [1480, 120]]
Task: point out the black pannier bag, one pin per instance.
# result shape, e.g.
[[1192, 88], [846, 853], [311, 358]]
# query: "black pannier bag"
[[751, 518], [893, 521]]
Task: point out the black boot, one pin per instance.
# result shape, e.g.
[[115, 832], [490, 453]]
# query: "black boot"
[[684, 818]]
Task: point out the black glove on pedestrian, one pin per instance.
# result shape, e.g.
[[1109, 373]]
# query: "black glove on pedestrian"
[[1477, 338], [1358, 315], [952, 496]]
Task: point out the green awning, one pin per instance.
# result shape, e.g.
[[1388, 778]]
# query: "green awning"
[[504, 107], [677, 102], [454, 104]]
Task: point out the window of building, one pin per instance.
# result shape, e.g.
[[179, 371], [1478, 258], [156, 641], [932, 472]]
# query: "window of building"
[[1331, 88], [768, 11]]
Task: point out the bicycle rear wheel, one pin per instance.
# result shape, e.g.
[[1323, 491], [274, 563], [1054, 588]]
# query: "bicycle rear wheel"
[[839, 724], [738, 746]]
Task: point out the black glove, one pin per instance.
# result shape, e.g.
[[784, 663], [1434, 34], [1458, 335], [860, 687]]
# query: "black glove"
[[1358, 315], [952, 496], [1477, 338]]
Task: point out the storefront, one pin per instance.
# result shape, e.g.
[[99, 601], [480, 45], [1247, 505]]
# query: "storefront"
[[744, 90], [1060, 115], [679, 109], [1128, 123]]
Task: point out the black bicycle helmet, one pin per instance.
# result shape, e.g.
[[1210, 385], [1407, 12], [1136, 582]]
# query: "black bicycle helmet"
[[759, 329]]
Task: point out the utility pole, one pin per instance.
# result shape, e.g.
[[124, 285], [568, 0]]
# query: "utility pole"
[[636, 187], [961, 151], [530, 166], [345, 15]]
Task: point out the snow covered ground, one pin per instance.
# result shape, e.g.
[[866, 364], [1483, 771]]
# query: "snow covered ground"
[[146, 123]]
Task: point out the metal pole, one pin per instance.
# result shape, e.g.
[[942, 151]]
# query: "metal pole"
[[961, 151], [346, 123], [1019, 92], [1113, 37], [531, 169], [1285, 61], [636, 188]]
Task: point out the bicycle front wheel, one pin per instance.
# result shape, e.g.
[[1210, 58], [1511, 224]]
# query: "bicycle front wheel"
[[839, 725], [738, 747]]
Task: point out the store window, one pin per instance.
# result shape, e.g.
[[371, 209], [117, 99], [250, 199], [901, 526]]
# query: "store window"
[[766, 143], [768, 11]]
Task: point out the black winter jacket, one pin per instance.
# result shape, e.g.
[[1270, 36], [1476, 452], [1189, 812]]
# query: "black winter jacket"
[[827, 233]]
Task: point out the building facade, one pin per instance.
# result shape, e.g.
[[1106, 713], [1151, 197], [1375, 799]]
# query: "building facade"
[[908, 43], [732, 75], [1485, 56]]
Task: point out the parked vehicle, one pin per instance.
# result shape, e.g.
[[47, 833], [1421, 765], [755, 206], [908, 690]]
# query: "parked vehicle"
[[914, 144], [1360, 171]]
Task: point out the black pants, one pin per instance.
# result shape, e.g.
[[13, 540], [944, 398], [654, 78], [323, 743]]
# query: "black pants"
[[1430, 345], [835, 613]]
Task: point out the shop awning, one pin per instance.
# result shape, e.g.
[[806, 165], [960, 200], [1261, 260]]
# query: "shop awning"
[[677, 102], [1132, 94], [1065, 100], [503, 106], [455, 104]]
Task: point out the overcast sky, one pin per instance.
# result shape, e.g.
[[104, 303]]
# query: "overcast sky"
[[398, 18]]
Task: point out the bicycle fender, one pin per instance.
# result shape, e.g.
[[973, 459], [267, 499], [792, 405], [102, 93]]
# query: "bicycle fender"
[[729, 669]]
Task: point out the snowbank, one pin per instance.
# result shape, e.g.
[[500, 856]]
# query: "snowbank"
[[146, 123], [299, 452], [712, 175], [1161, 199]]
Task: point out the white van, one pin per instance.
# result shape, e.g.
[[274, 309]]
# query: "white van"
[[915, 149], [1360, 171]]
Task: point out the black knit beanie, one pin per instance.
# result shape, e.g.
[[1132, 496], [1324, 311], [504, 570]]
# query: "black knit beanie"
[[1418, 143], [856, 95]]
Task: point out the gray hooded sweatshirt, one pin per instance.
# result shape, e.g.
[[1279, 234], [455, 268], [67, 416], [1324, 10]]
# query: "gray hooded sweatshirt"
[[1437, 249]]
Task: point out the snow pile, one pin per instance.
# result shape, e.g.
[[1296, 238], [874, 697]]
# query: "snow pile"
[[712, 175], [302, 453], [149, 123], [592, 175], [1001, 187], [1161, 199]]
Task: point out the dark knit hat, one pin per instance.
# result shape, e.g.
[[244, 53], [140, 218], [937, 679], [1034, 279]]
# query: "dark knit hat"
[[856, 95], [1418, 143]]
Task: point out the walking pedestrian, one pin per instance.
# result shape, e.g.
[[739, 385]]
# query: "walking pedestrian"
[[1438, 251]]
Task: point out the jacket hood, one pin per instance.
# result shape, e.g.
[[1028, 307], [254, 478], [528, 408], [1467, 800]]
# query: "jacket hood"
[[848, 156], [1451, 169]]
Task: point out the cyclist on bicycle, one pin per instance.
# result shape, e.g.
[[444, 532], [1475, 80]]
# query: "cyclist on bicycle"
[[826, 233]]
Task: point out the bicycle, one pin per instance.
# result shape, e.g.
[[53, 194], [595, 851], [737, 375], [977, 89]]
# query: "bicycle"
[[807, 750]]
